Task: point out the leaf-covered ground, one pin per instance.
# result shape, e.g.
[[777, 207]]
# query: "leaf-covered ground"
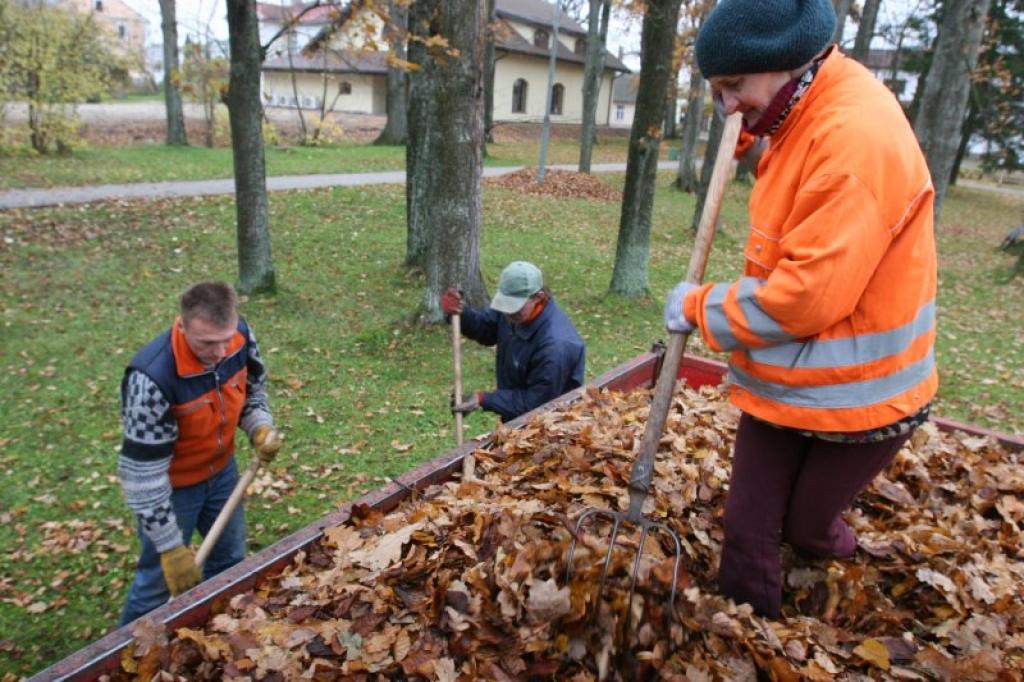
[[468, 582]]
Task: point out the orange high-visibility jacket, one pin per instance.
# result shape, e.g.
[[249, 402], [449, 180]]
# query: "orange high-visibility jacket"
[[832, 327]]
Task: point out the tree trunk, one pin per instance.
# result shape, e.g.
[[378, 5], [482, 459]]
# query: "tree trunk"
[[447, 149], [866, 30], [396, 130], [686, 176], [710, 152], [671, 123], [172, 94], [944, 102], [970, 123], [545, 131], [593, 68], [418, 150], [489, 61], [245, 111], [842, 8], [632, 251]]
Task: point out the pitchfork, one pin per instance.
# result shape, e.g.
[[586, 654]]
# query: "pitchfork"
[[643, 468]]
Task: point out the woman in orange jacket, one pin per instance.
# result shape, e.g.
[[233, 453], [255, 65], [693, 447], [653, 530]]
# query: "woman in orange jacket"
[[832, 326]]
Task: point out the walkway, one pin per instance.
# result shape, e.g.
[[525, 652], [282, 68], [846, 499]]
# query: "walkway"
[[55, 196]]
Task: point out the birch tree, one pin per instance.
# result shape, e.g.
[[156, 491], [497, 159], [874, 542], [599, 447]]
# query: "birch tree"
[[176, 134], [632, 252], [947, 86], [445, 149]]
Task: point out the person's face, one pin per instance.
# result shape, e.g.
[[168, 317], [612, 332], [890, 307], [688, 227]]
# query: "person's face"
[[525, 312], [208, 341], [750, 94]]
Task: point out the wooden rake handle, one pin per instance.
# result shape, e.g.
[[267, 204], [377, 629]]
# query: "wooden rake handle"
[[468, 461], [643, 469], [229, 508]]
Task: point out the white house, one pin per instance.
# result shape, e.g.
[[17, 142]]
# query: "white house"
[[348, 68]]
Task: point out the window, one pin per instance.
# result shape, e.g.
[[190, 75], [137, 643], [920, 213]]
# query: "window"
[[519, 97], [99, 5], [541, 38], [344, 88], [122, 31], [581, 46], [620, 112], [557, 95]]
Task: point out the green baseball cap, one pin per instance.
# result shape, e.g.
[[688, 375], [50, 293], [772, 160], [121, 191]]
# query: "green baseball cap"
[[519, 281]]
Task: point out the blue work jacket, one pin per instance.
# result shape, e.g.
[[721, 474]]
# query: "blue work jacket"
[[535, 362]]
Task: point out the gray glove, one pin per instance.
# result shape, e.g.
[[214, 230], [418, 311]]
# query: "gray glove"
[[675, 320]]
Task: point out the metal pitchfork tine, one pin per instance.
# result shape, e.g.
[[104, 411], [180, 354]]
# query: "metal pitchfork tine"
[[643, 468]]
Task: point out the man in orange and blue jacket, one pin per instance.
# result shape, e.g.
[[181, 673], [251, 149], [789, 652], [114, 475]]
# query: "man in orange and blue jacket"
[[831, 329], [182, 398]]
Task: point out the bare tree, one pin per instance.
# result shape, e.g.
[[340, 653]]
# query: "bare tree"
[[245, 111], [396, 130], [842, 8], [489, 63], [597, 39], [710, 152], [632, 251], [947, 87], [446, 149], [866, 30], [686, 176], [545, 131], [176, 134]]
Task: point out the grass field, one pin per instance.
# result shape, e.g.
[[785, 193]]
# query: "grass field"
[[359, 389], [157, 162]]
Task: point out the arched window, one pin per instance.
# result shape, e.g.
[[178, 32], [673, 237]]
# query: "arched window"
[[540, 38], [557, 95], [519, 97], [344, 88]]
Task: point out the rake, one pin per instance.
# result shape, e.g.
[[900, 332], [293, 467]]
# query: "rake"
[[643, 468]]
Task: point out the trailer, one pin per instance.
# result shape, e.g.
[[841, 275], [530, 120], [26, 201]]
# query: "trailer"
[[194, 608]]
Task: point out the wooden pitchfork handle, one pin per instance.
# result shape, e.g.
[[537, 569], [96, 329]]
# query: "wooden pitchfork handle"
[[229, 508], [643, 469]]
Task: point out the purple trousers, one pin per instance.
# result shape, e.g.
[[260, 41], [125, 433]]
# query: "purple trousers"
[[793, 488]]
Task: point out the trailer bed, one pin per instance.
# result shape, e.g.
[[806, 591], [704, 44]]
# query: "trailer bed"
[[194, 608]]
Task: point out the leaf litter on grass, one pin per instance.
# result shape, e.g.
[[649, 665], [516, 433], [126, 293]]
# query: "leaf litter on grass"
[[557, 183], [466, 580]]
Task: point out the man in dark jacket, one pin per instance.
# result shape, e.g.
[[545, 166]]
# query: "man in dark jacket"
[[540, 354]]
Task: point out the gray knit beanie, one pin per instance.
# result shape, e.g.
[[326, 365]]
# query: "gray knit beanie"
[[756, 36]]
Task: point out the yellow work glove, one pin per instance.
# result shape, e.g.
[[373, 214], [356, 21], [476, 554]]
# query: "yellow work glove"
[[180, 570], [266, 440]]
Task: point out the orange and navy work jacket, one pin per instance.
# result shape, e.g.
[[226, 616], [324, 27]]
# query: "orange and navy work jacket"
[[206, 404], [832, 326]]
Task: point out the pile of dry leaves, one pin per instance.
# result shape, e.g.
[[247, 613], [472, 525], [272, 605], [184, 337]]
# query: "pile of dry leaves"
[[557, 183], [467, 580]]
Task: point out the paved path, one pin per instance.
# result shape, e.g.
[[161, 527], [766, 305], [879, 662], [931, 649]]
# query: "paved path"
[[53, 196]]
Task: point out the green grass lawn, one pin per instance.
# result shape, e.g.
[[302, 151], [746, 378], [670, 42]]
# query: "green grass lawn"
[[157, 162], [359, 389]]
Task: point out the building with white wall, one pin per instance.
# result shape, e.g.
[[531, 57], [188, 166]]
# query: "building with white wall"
[[348, 69]]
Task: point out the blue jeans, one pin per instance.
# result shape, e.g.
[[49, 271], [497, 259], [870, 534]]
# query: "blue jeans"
[[196, 507]]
